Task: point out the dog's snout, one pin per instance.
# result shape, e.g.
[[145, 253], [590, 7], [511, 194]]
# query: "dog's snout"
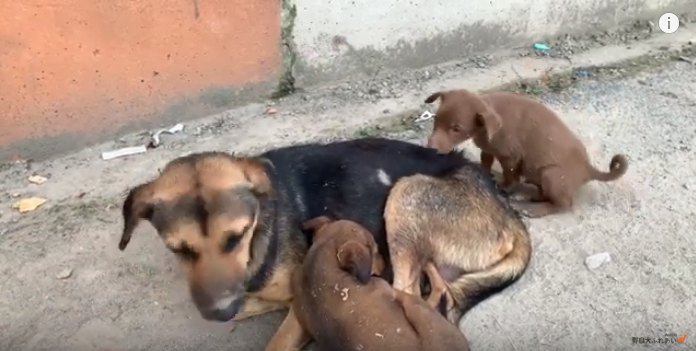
[[435, 143], [218, 305], [223, 309]]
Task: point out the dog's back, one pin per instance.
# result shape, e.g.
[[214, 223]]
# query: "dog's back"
[[351, 179]]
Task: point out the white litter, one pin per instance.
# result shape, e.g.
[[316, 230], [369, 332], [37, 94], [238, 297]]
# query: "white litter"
[[596, 260], [126, 151], [155, 139], [37, 179], [426, 115], [64, 273]]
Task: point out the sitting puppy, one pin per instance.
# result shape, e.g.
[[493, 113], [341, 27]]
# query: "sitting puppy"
[[343, 307], [528, 140]]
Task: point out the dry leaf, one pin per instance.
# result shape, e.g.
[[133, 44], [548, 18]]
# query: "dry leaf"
[[29, 204], [37, 179]]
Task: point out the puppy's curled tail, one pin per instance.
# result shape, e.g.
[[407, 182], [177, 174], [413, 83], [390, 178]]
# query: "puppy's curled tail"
[[617, 168], [471, 288]]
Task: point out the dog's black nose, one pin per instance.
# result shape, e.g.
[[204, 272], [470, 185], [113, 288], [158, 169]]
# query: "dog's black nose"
[[222, 313]]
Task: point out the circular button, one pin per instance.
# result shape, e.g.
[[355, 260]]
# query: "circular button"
[[669, 23]]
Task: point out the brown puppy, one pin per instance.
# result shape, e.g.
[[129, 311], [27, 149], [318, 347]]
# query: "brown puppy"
[[343, 307], [527, 138], [477, 242]]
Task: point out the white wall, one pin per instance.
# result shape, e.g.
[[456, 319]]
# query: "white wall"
[[377, 29]]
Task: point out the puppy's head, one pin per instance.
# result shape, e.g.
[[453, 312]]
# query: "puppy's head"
[[461, 115], [206, 208], [356, 250]]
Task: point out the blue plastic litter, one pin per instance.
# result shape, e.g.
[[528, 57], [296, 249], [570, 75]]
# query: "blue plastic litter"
[[541, 47], [583, 74]]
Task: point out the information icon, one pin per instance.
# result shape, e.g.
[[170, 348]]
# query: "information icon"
[[669, 23]]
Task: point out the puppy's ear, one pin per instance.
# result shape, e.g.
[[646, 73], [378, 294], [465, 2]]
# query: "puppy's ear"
[[356, 258], [256, 174], [490, 120], [316, 223], [138, 205], [434, 97]]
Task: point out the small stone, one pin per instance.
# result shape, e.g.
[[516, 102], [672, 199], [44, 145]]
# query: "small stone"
[[271, 111], [596, 260], [37, 179], [29, 204], [64, 274]]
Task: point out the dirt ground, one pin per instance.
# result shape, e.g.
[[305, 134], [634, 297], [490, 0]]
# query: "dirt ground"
[[64, 285]]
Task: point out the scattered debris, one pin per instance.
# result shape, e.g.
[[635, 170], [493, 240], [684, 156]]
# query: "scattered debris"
[[596, 260], [37, 179], [344, 294], [271, 111], [541, 48], [379, 335], [426, 115], [15, 195], [126, 151], [64, 274], [686, 59], [29, 204], [155, 139], [582, 74]]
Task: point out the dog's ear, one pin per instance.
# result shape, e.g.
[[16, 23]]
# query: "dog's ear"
[[138, 205], [356, 258], [434, 97], [316, 223], [490, 120], [256, 174]]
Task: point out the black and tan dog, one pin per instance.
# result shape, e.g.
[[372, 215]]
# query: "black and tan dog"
[[236, 222], [476, 241], [340, 305]]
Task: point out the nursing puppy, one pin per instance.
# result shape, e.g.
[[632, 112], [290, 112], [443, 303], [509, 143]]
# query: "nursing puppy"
[[527, 138], [340, 305]]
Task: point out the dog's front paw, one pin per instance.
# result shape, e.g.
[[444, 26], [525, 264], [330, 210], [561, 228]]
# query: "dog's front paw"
[[520, 208]]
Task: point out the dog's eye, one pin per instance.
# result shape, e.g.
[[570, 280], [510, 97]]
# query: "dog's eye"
[[456, 128], [232, 242], [185, 252], [233, 238]]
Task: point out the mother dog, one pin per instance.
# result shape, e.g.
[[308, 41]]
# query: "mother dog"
[[235, 222]]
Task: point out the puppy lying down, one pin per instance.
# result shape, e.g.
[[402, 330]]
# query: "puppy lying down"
[[343, 307]]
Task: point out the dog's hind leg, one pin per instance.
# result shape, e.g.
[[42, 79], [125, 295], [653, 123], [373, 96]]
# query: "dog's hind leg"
[[470, 288], [438, 288], [407, 268], [555, 196]]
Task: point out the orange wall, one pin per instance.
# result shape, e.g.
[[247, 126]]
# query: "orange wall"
[[88, 66]]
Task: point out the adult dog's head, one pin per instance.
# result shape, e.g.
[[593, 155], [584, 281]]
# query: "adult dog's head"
[[206, 207]]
